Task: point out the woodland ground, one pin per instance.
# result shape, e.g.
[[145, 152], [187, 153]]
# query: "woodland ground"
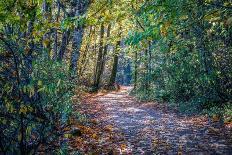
[[119, 124]]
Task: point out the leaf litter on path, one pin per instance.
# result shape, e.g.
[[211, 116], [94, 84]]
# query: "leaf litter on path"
[[118, 124]]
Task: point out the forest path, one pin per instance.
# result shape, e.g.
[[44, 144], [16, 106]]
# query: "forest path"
[[146, 128]]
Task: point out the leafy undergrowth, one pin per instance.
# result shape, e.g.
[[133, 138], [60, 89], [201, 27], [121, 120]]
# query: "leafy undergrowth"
[[215, 111]]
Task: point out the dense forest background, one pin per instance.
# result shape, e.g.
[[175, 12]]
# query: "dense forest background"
[[175, 51]]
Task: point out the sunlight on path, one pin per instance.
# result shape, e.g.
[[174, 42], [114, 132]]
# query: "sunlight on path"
[[148, 129]]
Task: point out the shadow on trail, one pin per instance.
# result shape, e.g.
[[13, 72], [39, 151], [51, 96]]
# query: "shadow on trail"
[[149, 129]]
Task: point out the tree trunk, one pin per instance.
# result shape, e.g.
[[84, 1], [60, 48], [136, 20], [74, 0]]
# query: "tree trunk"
[[28, 58], [85, 53], [54, 57], [135, 70], [79, 9], [146, 71], [127, 73], [55, 45], [102, 65], [149, 63], [46, 41], [115, 66], [64, 43], [76, 45], [147, 66], [99, 59]]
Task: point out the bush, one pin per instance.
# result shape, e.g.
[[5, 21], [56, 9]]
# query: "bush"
[[33, 114]]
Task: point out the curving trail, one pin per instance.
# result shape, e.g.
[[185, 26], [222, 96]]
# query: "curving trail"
[[147, 128]]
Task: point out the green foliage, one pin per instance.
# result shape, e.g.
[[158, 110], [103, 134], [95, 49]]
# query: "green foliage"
[[54, 85], [71, 22], [36, 91], [45, 112], [181, 53], [228, 113], [186, 62]]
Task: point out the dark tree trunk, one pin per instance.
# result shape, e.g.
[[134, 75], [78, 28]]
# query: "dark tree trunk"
[[102, 65], [64, 43], [76, 45], [85, 53], [115, 66], [46, 41], [146, 70], [135, 70], [147, 66], [54, 57], [99, 59], [149, 59], [28, 58], [79, 9], [55, 45], [127, 74]]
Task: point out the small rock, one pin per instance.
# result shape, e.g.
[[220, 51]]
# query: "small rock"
[[76, 132]]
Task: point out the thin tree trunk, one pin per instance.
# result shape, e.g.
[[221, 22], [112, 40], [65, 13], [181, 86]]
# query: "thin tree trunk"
[[84, 60], [54, 57], [135, 70], [85, 53], [127, 72], [29, 51], [147, 66], [149, 62], [102, 65], [55, 45], [99, 59], [115, 66], [46, 41]]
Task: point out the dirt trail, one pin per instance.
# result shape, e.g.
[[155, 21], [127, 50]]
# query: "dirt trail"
[[147, 128]]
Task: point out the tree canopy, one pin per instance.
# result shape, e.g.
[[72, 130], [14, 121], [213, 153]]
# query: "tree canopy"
[[51, 51]]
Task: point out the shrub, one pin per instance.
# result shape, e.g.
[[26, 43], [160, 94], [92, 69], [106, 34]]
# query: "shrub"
[[33, 114]]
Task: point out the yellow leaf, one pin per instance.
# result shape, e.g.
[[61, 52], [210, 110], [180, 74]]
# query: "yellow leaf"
[[123, 146], [46, 42], [94, 136], [109, 128], [40, 83], [30, 108], [67, 135], [23, 109]]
